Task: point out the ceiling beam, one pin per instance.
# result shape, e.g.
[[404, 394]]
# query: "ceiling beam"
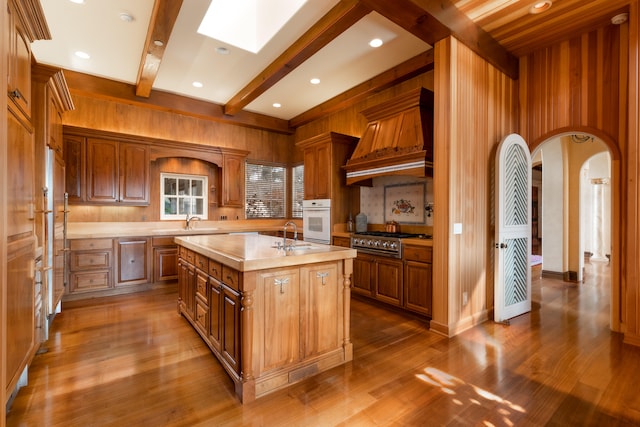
[[163, 18], [340, 18], [415, 66], [434, 20]]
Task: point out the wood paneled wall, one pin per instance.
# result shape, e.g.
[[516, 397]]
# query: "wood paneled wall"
[[102, 114], [581, 85], [4, 36], [475, 108]]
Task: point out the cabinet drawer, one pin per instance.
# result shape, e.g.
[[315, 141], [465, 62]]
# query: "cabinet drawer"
[[202, 315], [90, 281], [230, 277], [215, 269], [90, 260], [202, 262], [163, 241], [417, 253], [90, 244]]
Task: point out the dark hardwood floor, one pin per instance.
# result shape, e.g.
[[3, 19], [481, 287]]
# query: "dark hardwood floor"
[[132, 361]]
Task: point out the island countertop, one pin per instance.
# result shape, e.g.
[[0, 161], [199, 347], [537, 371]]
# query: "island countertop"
[[250, 252]]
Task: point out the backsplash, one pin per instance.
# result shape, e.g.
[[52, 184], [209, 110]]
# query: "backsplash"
[[372, 199]]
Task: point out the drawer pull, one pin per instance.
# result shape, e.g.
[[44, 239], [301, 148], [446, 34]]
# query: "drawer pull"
[[16, 94], [322, 276], [281, 282]]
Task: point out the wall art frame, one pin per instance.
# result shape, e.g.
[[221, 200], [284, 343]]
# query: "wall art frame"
[[404, 203]]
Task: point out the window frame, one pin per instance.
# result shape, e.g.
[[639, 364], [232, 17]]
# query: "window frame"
[[203, 179]]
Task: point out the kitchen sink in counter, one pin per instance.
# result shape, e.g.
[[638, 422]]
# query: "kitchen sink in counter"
[[271, 316]]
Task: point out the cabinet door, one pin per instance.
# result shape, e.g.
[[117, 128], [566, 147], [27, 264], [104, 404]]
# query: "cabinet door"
[[165, 264], [134, 174], [20, 179], [317, 171], [362, 277], [280, 293], [215, 320], [232, 193], [321, 300], [74, 168], [388, 280], [186, 287], [20, 337], [132, 261], [418, 287], [54, 117], [18, 64], [102, 170], [230, 328]]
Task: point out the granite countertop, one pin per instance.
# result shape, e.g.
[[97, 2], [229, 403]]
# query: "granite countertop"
[[249, 252]]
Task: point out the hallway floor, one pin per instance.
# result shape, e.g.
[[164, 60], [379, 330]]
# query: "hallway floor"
[[131, 360]]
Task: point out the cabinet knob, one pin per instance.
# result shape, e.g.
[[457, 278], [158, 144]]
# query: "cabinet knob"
[[16, 94], [322, 275], [281, 282]]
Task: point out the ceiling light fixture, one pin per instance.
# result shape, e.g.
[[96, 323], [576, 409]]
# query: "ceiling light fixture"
[[197, 84], [126, 17], [620, 18], [158, 43], [375, 43], [540, 6], [82, 55], [77, 1], [277, 105], [315, 81]]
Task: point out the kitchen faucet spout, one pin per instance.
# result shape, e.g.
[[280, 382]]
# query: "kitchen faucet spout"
[[189, 219], [295, 234]]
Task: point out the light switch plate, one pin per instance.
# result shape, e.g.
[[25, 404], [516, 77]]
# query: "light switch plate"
[[457, 228]]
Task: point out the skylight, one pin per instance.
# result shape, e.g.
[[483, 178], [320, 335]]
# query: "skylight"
[[248, 24]]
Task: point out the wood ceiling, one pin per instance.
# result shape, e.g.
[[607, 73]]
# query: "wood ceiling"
[[498, 30]]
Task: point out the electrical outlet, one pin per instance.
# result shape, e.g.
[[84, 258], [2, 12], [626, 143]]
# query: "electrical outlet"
[[465, 298]]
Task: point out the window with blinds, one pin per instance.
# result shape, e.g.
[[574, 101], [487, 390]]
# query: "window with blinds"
[[297, 190], [265, 190]]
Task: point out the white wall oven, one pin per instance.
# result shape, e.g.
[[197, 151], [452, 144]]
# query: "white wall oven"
[[316, 220]]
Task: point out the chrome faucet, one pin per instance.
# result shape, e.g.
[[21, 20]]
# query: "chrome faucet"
[[188, 221], [295, 235]]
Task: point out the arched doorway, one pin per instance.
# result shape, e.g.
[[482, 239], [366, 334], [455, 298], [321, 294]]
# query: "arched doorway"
[[562, 157]]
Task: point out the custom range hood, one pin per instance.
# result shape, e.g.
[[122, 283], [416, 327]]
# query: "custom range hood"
[[398, 139]]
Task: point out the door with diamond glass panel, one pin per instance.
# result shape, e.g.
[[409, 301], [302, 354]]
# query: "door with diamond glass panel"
[[512, 294]]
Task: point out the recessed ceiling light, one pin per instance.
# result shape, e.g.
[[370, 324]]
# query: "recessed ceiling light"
[[540, 6], [83, 55], [375, 43], [222, 50], [315, 81], [126, 17], [277, 105], [197, 84], [77, 1]]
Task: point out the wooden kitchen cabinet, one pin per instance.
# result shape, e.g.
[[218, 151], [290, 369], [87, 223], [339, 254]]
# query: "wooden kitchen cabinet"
[[341, 241], [90, 265], [321, 297], [230, 329], [378, 277], [388, 280], [106, 171], [232, 194], [133, 261], [165, 259], [418, 286], [324, 156], [18, 62]]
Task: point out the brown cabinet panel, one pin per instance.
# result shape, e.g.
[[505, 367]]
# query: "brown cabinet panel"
[[230, 328], [74, 153], [232, 193], [102, 170], [134, 174], [18, 63], [165, 264], [201, 315], [388, 280], [20, 179], [418, 287], [362, 275], [342, 241], [231, 277], [90, 260], [133, 267], [84, 281], [215, 306]]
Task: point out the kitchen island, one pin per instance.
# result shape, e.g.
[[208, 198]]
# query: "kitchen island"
[[272, 316]]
